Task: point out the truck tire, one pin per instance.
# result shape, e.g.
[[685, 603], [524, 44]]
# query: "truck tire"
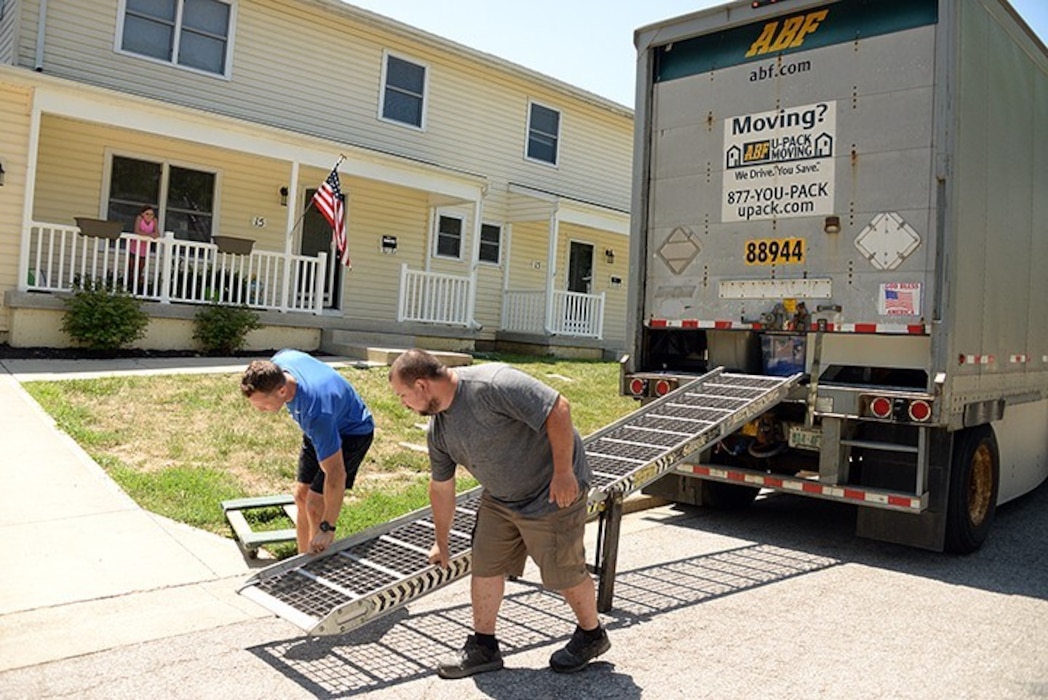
[[721, 496], [974, 477]]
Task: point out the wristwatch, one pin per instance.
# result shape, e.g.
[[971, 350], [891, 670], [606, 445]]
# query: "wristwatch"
[[325, 526]]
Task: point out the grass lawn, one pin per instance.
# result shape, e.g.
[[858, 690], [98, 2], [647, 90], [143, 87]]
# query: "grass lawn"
[[180, 445]]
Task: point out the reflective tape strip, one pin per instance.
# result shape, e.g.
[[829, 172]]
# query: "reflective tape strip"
[[889, 328], [1018, 359], [976, 359], [850, 494]]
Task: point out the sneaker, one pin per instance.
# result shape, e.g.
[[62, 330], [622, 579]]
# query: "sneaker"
[[579, 651], [470, 659]]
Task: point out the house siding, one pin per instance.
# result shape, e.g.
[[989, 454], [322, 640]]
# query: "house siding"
[[9, 31], [476, 115], [370, 289], [73, 157], [14, 154]]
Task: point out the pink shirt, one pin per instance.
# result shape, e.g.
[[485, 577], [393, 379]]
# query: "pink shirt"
[[142, 228]]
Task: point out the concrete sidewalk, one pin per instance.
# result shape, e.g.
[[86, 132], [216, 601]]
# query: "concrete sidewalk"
[[85, 568]]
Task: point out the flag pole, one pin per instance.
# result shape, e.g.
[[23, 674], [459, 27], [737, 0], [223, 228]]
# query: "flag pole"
[[291, 231]]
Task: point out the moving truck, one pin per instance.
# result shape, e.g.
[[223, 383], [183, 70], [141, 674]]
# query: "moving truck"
[[857, 192]]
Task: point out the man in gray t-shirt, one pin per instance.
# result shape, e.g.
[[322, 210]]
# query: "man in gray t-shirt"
[[515, 436]]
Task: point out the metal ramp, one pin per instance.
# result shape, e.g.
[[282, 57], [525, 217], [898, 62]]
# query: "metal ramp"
[[376, 571]]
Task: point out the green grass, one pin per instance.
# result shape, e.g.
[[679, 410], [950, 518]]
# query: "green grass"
[[180, 445]]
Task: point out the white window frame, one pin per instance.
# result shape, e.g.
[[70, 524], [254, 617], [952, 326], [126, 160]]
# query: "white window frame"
[[386, 55], [165, 179], [560, 134], [227, 72], [480, 245], [436, 235]]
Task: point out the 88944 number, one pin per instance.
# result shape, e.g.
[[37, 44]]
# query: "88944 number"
[[775, 251]]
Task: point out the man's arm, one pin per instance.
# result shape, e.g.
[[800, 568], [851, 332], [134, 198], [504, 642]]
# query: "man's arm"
[[564, 488], [334, 491], [442, 500]]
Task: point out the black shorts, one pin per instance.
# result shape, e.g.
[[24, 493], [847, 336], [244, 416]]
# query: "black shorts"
[[354, 447]]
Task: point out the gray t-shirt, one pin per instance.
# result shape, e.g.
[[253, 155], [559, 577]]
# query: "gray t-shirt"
[[496, 428]]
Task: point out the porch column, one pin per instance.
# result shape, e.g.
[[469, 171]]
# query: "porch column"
[[29, 195], [474, 263], [289, 239], [551, 267]]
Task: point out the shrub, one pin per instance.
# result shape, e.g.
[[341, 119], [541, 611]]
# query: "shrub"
[[103, 317], [222, 330]]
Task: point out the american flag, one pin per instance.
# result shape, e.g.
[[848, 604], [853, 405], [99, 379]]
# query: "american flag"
[[898, 301], [330, 202]]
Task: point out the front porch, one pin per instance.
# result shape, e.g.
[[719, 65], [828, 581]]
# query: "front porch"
[[433, 309]]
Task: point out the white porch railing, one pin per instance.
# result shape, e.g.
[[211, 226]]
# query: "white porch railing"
[[173, 271], [431, 297], [568, 313]]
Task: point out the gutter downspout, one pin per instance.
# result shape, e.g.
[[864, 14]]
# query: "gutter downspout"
[[41, 32]]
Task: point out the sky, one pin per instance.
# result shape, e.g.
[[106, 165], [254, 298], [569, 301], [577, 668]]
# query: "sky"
[[587, 43]]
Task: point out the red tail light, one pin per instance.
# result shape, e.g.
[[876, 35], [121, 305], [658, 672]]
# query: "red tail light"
[[881, 407], [638, 387], [663, 387], [920, 411]]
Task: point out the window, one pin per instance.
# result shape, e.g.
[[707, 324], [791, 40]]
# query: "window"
[[404, 91], [189, 208], [490, 243], [191, 33], [543, 133], [449, 236]]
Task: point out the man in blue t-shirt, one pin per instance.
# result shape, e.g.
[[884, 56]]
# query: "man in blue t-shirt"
[[337, 429]]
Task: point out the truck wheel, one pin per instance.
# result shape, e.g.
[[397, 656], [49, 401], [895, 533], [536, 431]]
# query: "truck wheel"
[[721, 496], [972, 501]]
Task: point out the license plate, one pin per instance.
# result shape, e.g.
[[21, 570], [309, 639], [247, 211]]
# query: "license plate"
[[805, 438]]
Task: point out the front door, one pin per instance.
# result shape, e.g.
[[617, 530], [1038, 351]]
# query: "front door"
[[580, 267], [318, 237]]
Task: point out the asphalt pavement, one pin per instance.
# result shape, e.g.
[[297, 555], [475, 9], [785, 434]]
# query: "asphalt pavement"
[[101, 599]]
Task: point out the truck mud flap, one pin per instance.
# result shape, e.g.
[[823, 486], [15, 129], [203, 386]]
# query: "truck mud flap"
[[375, 572]]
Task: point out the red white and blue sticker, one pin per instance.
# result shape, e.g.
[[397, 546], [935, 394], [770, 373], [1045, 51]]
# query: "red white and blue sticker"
[[900, 299]]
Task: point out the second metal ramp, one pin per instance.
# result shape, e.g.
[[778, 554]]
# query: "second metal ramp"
[[376, 571]]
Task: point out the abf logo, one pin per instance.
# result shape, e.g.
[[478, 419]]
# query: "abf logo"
[[756, 151], [789, 36]]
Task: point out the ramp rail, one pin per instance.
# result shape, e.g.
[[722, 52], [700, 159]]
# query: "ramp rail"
[[376, 571]]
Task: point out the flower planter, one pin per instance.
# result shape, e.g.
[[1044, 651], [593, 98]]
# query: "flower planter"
[[99, 228], [231, 244]]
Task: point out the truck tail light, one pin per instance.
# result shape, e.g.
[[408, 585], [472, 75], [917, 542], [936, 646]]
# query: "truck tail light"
[[663, 387], [638, 387], [881, 407], [920, 411]]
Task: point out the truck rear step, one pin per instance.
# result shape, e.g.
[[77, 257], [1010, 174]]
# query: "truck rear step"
[[376, 571]]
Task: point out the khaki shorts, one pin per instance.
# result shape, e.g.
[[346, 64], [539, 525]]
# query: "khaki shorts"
[[503, 538]]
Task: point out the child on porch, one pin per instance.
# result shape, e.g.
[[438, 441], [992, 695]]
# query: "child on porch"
[[145, 225]]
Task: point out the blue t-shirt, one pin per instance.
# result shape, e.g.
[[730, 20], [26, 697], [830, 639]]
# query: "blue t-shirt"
[[325, 406]]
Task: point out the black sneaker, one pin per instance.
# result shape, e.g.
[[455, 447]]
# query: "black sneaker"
[[470, 659], [579, 651]]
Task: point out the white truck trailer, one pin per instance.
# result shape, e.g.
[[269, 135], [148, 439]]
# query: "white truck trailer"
[[856, 191]]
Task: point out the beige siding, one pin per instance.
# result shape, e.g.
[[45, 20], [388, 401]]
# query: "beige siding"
[[476, 114], [9, 32], [73, 161], [370, 289], [530, 250], [14, 146]]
